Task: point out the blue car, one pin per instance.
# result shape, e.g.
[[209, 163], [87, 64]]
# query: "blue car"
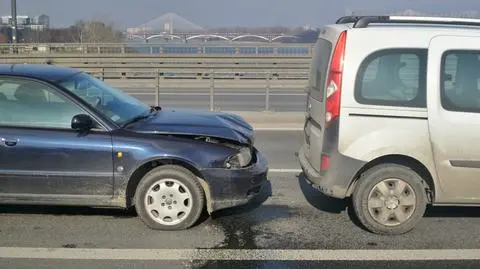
[[68, 138]]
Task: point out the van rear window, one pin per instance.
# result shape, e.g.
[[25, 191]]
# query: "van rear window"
[[321, 57], [393, 77]]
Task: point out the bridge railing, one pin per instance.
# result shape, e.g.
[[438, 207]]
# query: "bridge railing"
[[160, 49]]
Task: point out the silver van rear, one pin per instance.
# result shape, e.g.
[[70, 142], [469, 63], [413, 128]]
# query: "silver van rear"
[[392, 116], [319, 154]]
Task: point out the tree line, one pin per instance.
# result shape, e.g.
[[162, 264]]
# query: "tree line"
[[80, 32], [101, 32]]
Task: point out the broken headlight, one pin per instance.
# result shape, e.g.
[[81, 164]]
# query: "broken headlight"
[[241, 159]]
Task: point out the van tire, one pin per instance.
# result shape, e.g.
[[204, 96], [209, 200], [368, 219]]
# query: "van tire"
[[367, 188], [176, 176]]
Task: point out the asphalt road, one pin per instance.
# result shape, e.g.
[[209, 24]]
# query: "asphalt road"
[[290, 220], [283, 100]]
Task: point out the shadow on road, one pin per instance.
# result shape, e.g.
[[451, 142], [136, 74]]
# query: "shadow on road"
[[326, 203], [122, 213], [452, 212], [66, 210], [238, 223], [319, 200], [337, 206]]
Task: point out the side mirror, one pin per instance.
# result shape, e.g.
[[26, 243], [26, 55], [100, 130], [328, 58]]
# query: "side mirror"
[[82, 122]]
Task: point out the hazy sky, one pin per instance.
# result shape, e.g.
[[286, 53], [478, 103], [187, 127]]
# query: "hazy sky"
[[211, 13]]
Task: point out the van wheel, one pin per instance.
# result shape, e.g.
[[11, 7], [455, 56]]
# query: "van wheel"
[[389, 199], [169, 198]]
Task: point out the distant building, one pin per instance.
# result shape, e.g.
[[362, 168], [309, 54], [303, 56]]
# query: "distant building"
[[3, 39], [40, 22]]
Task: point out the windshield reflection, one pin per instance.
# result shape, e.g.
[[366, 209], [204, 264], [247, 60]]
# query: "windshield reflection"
[[113, 103]]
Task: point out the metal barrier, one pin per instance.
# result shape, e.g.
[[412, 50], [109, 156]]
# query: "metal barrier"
[[243, 94], [160, 49], [266, 76], [139, 75], [124, 67]]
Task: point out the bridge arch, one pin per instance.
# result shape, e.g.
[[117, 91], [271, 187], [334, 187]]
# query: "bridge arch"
[[208, 36], [283, 36], [245, 36], [164, 35]]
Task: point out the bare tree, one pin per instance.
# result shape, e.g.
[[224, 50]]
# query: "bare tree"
[[96, 32]]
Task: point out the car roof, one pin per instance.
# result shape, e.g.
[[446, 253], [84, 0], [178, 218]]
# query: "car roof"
[[44, 72], [404, 22]]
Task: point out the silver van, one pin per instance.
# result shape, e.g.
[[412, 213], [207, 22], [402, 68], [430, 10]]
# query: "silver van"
[[393, 117]]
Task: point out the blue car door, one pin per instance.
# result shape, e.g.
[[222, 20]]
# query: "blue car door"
[[40, 154]]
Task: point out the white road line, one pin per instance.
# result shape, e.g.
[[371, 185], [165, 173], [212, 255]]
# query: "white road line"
[[274, 170], [238, 254]]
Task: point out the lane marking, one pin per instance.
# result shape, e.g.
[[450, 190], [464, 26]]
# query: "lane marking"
[[239, 254], [281, 170]]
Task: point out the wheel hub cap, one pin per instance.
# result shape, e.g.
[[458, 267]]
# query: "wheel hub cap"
[[168, 201], [392, 202]]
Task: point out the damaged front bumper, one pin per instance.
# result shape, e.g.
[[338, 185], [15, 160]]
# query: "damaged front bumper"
[[235, 187]]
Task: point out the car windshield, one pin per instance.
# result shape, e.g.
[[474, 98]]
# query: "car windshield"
[[113, 103]]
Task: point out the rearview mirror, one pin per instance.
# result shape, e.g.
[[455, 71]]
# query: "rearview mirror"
[[82, 122]]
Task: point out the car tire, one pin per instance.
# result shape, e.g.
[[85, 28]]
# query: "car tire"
[[389, 199], [169, 198]]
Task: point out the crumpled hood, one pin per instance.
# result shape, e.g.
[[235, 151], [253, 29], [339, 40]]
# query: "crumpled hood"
[[197, 122]]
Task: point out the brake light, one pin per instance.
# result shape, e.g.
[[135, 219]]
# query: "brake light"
[[324, 162], [334, 86]]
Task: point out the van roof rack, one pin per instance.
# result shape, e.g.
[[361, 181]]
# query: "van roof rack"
[[364, 21]]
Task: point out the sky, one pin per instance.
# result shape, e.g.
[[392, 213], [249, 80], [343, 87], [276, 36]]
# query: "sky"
[[225, 13]]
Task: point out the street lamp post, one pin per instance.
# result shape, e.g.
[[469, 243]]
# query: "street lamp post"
[[14, 21]]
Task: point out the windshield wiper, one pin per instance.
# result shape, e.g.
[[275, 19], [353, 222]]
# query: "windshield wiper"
[[135, 119], [153, 109]]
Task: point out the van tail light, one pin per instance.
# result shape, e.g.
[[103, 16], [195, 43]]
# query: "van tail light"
[[324, 162], [334, 86]]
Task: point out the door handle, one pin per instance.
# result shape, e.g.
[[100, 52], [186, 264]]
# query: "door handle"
[[9, 142]]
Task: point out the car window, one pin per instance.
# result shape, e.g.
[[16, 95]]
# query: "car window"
[[393, 78], [110, 102], [318, 70], [33, 104], [461, 81]]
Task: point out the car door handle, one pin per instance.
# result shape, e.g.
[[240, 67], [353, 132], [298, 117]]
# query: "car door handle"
[[9, 142]]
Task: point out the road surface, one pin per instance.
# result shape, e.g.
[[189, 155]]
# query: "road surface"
[[295, 223]]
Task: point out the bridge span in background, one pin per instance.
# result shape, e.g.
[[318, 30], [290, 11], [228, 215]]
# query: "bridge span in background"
[[185, 37]]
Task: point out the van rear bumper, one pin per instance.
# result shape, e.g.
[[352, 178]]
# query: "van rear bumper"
[[336, 181]]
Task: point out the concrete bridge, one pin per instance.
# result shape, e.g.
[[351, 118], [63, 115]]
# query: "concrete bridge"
[[185, 37]]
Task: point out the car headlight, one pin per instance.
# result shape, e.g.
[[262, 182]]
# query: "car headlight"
[[241, 159]]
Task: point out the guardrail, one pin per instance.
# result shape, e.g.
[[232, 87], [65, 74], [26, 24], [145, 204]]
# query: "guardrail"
[[230, 82], [159, 49], [244, 94], [125, 67], [143, 74]]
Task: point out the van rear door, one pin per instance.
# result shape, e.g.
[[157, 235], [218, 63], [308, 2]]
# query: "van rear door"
[[314, 127]]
